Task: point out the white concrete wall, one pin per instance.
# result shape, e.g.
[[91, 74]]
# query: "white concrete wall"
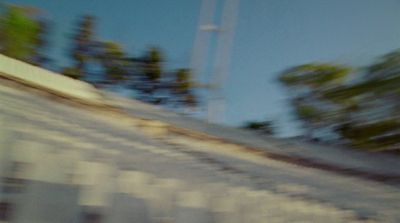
[[40, 77]]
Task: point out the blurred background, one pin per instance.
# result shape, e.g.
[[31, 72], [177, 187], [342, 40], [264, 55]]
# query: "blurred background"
[[308, 66], [199, 111]]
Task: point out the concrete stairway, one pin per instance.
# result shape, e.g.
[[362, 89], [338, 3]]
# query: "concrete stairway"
[[61, 164]]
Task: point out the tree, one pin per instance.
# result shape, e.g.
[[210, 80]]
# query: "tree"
[[113, 61], [182, 89], [83, 46], [363, 112], [152, 64], [144, 75], [21, 33], [308, 84], [150, 84], [39, 58], [375, 120], [264, 127], [71, 72]]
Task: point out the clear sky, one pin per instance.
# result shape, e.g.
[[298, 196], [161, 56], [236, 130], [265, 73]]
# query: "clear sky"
[[271, 36]]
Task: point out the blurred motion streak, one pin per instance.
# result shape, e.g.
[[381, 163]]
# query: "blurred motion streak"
[[73, 149]]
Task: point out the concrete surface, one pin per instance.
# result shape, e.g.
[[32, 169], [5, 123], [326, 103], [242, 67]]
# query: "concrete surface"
[[47, 146]]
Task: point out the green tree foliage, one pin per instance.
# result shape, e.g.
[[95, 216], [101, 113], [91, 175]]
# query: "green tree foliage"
[[71, 72], [144, 75], [22, 34], [83, 48], [155, 85], [363, 111], [182, 89], [375, 122], [308, 83], [151, 86], [39, 58], [152, 61], [116, 67], [315, 76], [264, 127]]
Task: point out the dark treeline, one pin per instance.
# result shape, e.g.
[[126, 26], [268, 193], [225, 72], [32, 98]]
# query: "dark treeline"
[[145, 74], [338, 104], [23, 35]]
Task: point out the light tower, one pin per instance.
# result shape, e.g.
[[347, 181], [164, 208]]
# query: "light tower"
[[224, 29]]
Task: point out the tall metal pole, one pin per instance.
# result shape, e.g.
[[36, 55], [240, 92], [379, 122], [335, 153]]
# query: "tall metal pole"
[[216, 101], [202, 40], [225, 30]]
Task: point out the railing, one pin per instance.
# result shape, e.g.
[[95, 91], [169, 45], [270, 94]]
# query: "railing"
[[39, 77]]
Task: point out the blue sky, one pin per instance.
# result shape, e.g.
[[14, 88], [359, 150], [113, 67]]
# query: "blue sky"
[[271, 36]]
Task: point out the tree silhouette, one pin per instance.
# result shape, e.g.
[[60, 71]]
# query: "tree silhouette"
[[22, 34], [263, 127], [362, 111], [83, 48]]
